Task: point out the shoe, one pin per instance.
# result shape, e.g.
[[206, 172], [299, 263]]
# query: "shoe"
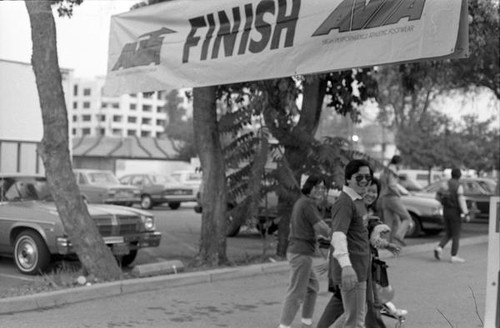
[[456, 259], [437, 253]]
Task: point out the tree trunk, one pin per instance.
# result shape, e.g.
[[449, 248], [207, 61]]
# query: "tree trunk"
[[94, 255], [214, 196], [312, 104]]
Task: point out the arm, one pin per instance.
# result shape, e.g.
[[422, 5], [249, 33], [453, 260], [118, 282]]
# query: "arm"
[[461, 200], [322, 229], [349, 276]]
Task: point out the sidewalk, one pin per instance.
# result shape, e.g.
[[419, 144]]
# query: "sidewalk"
[[401, 267]]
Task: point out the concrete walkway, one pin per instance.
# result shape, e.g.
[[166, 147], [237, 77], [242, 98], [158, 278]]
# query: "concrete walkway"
[[59, 298]]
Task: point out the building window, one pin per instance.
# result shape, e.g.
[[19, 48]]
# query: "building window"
[[117, 132], [131, 132], [132, 119], [146, 108], [73, 131], [101, 117], [147, 95], [75, 90], [159, 109], [146, 121], [75, 104], [145, 134], [117, 118], [133, 106], [75, 118], [100, 131], [86, 92], [160, 122], [133, 95], [86, 131], [86, 104], [115, 105], [86, 118]]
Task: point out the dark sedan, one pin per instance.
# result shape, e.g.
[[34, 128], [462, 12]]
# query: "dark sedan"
[[477, 192], [158, 189]]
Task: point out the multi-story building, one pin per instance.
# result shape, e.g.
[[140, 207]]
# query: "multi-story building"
[[95, 114]]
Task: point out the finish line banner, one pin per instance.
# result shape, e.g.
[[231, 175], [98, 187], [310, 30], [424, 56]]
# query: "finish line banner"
[[195, 43]]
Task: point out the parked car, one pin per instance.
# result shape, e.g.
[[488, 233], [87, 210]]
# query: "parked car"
[[188, 178], [32, 233], [158, 189], [477, 192], [426, 214], [422, 177], [103, 187]]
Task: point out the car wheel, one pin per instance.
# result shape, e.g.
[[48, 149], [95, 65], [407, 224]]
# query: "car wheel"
[[146, 202], [174, 206], [233, 225], [415, 228], [31, 253], [126, 260], [433, 232]]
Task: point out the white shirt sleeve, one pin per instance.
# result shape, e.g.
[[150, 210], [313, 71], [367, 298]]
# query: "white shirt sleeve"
[[461, 199], [339, 243]]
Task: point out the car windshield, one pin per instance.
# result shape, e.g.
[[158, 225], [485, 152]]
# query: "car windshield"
[[489, 185], [102, 178], [162, 179], [24, 189]]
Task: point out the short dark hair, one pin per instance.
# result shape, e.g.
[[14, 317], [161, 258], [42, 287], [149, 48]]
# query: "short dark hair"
[[396, 159], [311, 182], [456, 173], [353, 167], [376, 182]]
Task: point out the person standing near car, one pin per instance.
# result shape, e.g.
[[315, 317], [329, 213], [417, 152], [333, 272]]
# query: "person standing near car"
[[455, 209], [394, 213], [306, 225]]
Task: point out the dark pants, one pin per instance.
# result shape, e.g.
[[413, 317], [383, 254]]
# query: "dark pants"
[[453, 226]]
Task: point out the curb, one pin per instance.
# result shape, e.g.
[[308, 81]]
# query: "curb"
[[80, 294]]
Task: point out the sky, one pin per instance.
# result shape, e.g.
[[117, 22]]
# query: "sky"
[[82, 39]]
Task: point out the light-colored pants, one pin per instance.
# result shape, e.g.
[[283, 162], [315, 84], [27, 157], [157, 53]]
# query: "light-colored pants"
[[354, 301], [303, 288], [396, 216]]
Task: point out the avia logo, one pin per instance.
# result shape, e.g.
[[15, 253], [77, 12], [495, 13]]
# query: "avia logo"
[[269, 21], [144, 52], [352, 15]]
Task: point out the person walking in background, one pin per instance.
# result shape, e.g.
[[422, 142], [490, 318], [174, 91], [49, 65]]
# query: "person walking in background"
[[350, 266], [394, 213], [306, 225], [455, 209]]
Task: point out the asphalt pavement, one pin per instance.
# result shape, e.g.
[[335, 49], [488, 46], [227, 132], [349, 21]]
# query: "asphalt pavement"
[[436, 294]]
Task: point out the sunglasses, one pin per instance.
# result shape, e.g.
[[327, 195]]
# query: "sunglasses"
[[360, 177]]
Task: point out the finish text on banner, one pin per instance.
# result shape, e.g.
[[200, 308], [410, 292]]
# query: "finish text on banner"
[[193, 43]]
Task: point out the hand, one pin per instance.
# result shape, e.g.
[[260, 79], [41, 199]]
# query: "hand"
[[393, 248], [349, 278], [465, 217], [322, 268]]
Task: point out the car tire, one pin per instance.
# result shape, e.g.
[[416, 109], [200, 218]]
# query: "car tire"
[[415, 227], [146, 202], [31, 254], [126, 260], [174, 206]]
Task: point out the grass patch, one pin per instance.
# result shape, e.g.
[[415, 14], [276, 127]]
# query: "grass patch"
[[66, 274]]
